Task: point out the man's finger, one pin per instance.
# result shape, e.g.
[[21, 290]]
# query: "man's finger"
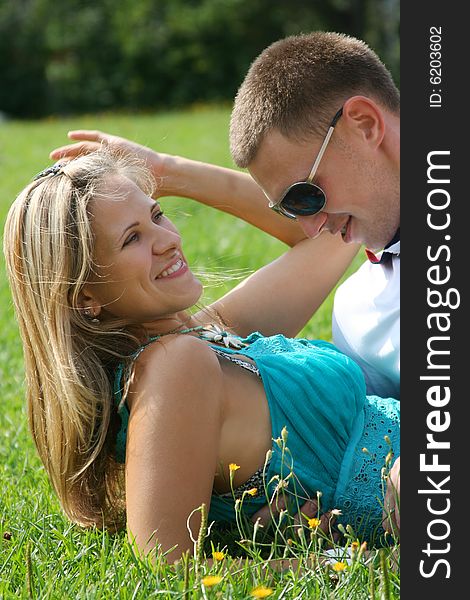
[[269, 512], [308, 511]]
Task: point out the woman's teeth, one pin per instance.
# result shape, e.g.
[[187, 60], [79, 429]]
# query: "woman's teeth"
[[176, 267]]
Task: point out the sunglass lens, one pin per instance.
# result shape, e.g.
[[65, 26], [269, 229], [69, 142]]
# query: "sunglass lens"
[[303, 199]]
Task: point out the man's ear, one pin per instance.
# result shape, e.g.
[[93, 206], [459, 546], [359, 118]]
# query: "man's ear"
[[87, 302], [364, 118]]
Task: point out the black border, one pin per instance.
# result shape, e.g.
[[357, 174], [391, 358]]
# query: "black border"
[[425, 129]]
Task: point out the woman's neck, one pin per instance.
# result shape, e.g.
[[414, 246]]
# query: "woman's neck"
[[170, 324]]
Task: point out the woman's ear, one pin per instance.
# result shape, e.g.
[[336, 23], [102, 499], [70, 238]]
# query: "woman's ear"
[[88, 303], [364, 118]]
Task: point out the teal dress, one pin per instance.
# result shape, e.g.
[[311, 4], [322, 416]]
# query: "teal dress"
[[336, 439]]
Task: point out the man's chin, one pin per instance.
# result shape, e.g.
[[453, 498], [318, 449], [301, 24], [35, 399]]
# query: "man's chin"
[[373, 243]]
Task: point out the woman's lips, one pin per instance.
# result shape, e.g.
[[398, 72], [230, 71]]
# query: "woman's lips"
[[175, 270]]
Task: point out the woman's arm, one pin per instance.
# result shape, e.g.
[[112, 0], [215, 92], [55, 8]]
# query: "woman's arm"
[[277, 299], [282, 296], [172, 442], [227, 190]]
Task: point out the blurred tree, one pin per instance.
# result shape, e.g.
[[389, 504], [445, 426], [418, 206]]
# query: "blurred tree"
[[23, 57], [382, 32], [86, 55]]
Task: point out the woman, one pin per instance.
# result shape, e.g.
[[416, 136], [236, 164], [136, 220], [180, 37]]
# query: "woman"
[[118, 368]]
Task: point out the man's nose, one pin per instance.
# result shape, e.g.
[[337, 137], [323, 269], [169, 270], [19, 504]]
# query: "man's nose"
[[313, 224]]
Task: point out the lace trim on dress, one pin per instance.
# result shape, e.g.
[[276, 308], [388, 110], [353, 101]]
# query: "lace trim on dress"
[[364, 499], [255, 481]]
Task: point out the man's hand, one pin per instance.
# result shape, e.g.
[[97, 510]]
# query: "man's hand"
[[301, 520], [391, 513]]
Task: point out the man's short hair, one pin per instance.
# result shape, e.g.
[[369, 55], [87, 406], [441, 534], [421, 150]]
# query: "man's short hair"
[[297, 84]]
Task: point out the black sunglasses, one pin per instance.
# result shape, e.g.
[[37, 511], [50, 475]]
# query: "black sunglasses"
[[305, 198]]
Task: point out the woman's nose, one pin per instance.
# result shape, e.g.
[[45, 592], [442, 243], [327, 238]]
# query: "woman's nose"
[[165, 240], [313, 224]]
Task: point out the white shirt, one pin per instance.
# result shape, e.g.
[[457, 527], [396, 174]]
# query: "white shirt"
[[366, 323]]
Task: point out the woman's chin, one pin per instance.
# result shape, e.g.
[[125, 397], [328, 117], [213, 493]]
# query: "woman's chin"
[[198, 291]]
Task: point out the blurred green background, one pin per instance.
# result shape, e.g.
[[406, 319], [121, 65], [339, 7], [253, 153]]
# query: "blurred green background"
[[164, 73], [95, 55]]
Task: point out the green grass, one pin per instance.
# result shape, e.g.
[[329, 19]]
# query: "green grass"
[[42, 555]]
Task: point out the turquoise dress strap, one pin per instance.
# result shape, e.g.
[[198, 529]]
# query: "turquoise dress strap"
[[119, 401]]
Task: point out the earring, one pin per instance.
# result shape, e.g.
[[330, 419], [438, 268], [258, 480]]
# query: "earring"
[[87, 312]]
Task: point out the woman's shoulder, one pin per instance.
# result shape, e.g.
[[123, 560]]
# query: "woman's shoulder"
[[176, 362]]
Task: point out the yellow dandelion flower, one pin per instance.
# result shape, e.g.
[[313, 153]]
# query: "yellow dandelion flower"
[[261, 592], [233, 467], [339, 566], [355, 546], [252, 492], [218, 555], [312, 523], [211, 580]]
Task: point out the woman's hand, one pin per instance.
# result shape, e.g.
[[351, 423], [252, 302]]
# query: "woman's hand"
[[91, 140]]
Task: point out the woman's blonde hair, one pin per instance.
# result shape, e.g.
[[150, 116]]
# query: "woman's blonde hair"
[[69, 360]]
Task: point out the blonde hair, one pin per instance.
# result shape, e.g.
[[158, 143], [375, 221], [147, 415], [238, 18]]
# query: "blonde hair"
[[297, 84], [69, 360]]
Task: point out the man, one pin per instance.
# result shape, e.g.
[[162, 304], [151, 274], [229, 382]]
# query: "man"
[[317, 123], [298, 91]]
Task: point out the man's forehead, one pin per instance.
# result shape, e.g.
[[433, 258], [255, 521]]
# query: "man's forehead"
[[280, 161]]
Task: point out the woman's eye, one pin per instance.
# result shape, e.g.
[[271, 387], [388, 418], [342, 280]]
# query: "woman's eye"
[[157, 215], [130, 239]]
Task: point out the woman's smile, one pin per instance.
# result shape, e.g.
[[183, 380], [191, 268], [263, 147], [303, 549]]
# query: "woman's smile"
[[175, 269]]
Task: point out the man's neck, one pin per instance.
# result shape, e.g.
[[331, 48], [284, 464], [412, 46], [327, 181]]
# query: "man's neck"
[[394, 240]]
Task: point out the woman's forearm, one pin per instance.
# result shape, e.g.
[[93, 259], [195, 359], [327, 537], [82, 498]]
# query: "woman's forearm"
[[228, 190]]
